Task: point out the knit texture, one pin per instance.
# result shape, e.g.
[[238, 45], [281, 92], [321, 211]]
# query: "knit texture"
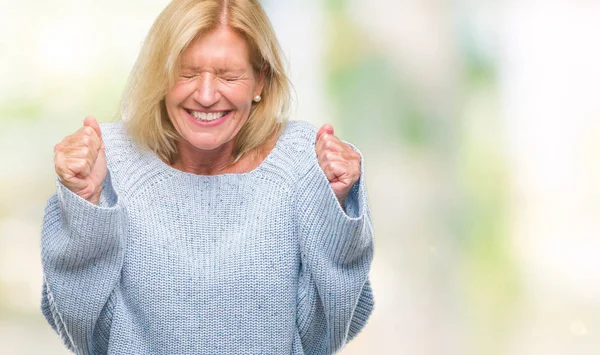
[[265, 262]]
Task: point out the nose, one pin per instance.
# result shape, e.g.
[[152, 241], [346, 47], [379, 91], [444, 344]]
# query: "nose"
[[207, 90]]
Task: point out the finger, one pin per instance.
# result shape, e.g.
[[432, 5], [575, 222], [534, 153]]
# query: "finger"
[[79, 167], [85, 136], [91, 142], [84, 143], [65, 172], [329, 156], [329, 174], [60, 165], [81, 151], [335, 170], [322, 140], [77, 153], [351, 157], [69, 158], [343, 165], [70, 180], [84, 166], [331, 143], [90, 121], [60, 160], [326, 128]]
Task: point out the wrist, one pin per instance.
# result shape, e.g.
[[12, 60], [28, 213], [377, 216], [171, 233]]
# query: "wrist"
[[95, 197], [341, 201], [88, 193]]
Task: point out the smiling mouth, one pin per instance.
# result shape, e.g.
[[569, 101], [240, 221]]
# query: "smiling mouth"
[[207, 117]]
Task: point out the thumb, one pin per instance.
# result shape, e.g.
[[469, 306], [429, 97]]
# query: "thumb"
[[326, 128], [90, 121]]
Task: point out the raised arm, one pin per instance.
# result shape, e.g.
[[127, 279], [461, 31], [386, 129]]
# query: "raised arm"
[[336, 243], [83, 243]]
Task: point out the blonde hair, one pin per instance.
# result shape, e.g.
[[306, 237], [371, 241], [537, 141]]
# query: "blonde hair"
[[157, 68]]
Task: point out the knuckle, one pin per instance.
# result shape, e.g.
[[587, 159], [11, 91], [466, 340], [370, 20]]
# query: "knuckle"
[[318, 148], [329, 155], [78, 165], [88, 130]]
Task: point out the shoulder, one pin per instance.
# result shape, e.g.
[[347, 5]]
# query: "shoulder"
[[301, 131], [297, 146], [292, 155], [299, 137], [116, 140], [121, 151], [114, 133]]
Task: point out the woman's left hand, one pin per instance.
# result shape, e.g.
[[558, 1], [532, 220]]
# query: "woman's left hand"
[[339, 161]]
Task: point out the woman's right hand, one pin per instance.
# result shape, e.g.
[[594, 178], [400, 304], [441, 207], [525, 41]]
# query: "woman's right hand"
[[80, 161]]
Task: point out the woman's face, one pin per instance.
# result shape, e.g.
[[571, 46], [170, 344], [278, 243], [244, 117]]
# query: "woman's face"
[[211, 99]]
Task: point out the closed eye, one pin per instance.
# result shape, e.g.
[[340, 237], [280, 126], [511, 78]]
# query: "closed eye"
[[231, 76]]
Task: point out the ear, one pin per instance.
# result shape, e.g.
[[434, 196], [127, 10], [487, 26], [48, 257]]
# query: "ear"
[[260, 82]]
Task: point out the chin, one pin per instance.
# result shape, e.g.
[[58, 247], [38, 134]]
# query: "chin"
[[207, 147], [205, 143]]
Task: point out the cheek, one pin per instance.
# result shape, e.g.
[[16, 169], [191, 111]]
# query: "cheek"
[[239, 96], [178, 93], [173, 99]]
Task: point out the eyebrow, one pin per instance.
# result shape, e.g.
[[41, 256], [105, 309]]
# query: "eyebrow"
[[219, 71]]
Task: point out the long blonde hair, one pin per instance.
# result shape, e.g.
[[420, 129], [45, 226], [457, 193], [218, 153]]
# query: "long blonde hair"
[[158, 65]]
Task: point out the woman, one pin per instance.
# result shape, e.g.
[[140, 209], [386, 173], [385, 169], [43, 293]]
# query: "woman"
[[203, 222]]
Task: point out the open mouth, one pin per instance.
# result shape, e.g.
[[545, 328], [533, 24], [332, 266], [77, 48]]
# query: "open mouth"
[[207, 116]]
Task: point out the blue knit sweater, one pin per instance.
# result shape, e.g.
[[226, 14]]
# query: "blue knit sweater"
[[265, 262]]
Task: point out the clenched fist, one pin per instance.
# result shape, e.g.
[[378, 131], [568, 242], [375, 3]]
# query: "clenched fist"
[[80, 161], [339, 161]]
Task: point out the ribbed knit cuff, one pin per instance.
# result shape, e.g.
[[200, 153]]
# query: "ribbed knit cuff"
[[83, 246], [342, 235], [85, 219], [357, 197]]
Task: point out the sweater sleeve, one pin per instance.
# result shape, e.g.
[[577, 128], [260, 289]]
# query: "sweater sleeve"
[[83, 247], [336, 246]]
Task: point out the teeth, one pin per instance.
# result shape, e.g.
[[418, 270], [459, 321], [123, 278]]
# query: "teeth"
[[207, 116]]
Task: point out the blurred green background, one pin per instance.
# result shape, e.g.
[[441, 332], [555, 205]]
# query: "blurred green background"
[[480, 126]]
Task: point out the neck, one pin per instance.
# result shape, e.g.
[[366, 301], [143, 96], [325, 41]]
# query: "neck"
[[219, 161], [203, 162]]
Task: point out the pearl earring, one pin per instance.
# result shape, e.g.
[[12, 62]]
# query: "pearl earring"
[[257, 98]]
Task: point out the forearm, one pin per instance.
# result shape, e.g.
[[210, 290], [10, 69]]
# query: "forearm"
[[335, 297], [83, 247]]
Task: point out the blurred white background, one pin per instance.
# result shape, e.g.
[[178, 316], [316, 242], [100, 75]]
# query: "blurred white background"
[[480, 126]]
